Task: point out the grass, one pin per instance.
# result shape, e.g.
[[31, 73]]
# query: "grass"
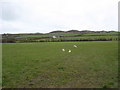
[[91, 65], [67, 34], [113, 36], [48, 35], [81, 38]]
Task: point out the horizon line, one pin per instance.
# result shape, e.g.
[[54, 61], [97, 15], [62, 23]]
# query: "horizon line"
[[61, 30]]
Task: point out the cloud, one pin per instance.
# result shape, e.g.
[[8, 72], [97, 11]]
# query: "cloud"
[[20, 16]]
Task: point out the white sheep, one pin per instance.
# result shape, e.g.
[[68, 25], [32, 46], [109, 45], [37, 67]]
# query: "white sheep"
[[75, 46], [63, 50], [69, 51], [54, 37]]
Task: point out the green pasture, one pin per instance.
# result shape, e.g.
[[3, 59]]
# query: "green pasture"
[[48, 35], [107, 38], [68, 34], [90, 38], [34, 65]]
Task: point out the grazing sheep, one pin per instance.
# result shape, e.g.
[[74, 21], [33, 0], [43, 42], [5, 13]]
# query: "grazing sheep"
[[63, 50], [54, 36], [69, 51], [75, 46]]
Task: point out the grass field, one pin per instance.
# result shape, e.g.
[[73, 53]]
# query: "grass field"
[[67, 34], [91, 65], [48, 35], [81, 38], [60, 37]]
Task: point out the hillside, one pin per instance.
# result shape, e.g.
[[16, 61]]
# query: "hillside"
[[70, 35]]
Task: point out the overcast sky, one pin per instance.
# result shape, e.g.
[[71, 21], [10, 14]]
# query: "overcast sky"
[[27, 16]]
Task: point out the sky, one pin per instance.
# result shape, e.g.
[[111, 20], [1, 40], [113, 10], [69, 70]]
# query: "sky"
[[43, 16]]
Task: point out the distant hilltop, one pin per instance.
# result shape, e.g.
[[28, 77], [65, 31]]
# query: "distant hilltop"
[[61, 36], [69, 31], [83, 31]]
